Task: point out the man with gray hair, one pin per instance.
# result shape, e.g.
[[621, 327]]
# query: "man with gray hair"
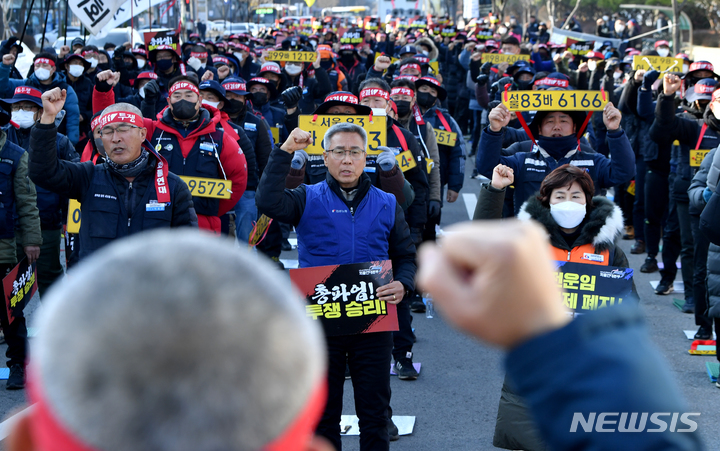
[[129, 192], [141, 383], [344, 220]]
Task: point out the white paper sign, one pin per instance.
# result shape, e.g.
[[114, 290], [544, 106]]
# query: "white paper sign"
[[94, 14], [124, 12]]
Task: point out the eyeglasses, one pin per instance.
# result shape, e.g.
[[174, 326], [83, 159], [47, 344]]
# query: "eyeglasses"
[[17, 107], [339, 154], [120, 129]]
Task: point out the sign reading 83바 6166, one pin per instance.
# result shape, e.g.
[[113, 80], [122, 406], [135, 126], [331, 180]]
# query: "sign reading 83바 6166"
[[554, 100], [376, 130], [304, 57]]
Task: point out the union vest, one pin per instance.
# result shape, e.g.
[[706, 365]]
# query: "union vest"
[[582, 254], [9, 161], [330, 234], [104, 212], [202, 161]]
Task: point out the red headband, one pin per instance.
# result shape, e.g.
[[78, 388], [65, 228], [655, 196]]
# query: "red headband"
[[402, 92], [554, 82], [221, 59], [431, 80], [374, 92], [242, 47], [347, 98], [412, 78], [703, 89], [701, 66], [44, 61], [347, 47], [410, 66], [121, 116], [716, 94], [27, 90], [183, 85], [147, 74], [270, 68], [95, 122], [234, 86], [198, 54]]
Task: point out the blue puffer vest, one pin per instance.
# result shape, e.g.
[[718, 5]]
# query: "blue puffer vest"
[[330, 234]]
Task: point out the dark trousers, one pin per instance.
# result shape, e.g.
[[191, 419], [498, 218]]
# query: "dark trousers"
[[368, 356], [626, 202], [403, 338], [656, 203], [476, 130], [671, 243], [699, 286], [687, 249], [462, 113], [638, 211], [15, 333], [48, 265]]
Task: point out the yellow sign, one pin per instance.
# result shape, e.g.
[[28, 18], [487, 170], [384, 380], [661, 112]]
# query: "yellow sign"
[[303, 57], [376, 130], [275, 134], [445, 138], [205, 187], [657, 63], [497, 58], [433, 64], [554, 100], [73, 219], [405, 160], [310, 3], [697, 157], [430, 164]]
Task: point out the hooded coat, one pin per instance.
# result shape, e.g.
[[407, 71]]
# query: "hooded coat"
[[433, 55]]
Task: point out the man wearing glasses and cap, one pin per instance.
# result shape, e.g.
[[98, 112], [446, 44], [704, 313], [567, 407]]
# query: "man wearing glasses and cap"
[[360, 223]]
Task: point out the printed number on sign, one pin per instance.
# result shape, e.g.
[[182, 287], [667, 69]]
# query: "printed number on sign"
[[445, 138], [554, 100], [304, 57], [317, 126], [405, 160], [697, 157], [73, 219], [497, 58], [206, 187]]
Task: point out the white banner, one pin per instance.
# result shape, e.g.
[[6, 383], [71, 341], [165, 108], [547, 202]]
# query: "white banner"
[[124, 12], [94, 14]]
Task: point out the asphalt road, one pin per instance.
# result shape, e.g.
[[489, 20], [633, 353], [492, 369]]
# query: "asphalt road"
[[456, 396]]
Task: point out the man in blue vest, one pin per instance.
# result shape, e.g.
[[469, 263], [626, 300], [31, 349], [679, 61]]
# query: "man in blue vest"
[[358, 223], [129, 192]]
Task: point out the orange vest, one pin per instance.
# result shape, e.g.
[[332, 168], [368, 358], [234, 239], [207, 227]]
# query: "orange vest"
[[582, 254]]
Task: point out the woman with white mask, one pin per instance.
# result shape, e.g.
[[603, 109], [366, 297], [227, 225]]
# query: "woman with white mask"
[[75, 69]]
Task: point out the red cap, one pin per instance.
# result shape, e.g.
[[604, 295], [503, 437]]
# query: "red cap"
[[662, 42]]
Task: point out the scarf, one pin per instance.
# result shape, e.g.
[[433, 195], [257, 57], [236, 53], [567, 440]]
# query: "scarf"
[[132, 169], [558, 147]]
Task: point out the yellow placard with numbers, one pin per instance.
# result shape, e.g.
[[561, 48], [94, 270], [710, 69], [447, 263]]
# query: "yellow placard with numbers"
[[430, 164], [73, 219], [207, 187], [303, 57], [376, 130], [658, 63], [405, 160], [275, 134], [697, 157], [445, 138], [497, 58], [554, 100]]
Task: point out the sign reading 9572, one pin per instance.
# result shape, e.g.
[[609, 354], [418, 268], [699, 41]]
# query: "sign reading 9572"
[[554, 100], [317, 126]]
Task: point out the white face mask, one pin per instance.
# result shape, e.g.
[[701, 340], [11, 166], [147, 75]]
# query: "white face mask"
[[663, 52], [141, 63], [24, 119], [425, 52], [606, 18], [75, 70], [592, 65], [502, 30], [620, 28], [617, 75], [313, 43], [207, 102], [42, 74], [93, 62], [239, 56], [292, 70], [141, 91], [111, 53], [568, 214], [685, 68]]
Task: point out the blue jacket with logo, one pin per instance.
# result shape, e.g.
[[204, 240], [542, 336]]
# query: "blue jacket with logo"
[[532, 164], [333, 231]]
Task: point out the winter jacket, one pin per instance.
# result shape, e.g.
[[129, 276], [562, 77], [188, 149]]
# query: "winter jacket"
[[532, 163], [709, 220], [18, 201], [71, 124], [354, 74], [259, 136], [249, 69], [315, 88], [372, 225], [52, 206], [425, 138], [452, 159], [113, 207], [83, 89]]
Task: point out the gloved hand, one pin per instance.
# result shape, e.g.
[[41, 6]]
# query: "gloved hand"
[[500, 85], [649, 78], [485, 68], [707, 194], [299, 159], [386, 160], [434, 207], [482, 79], [152, 91], [194, 63], [416, 235], [102, 85], [493, 104], [291, 97]]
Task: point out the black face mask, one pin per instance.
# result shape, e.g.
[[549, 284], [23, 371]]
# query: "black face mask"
[[524, 85], [234, 107], [103, 66], [327, 65], [425, 99], [403, 107], [259, 98], [164, 65], [184, 110], [348, 59]]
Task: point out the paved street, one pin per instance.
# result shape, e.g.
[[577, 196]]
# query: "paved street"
[[456, 397]]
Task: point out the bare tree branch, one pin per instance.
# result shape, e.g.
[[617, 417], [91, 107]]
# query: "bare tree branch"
[[577, 5]]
